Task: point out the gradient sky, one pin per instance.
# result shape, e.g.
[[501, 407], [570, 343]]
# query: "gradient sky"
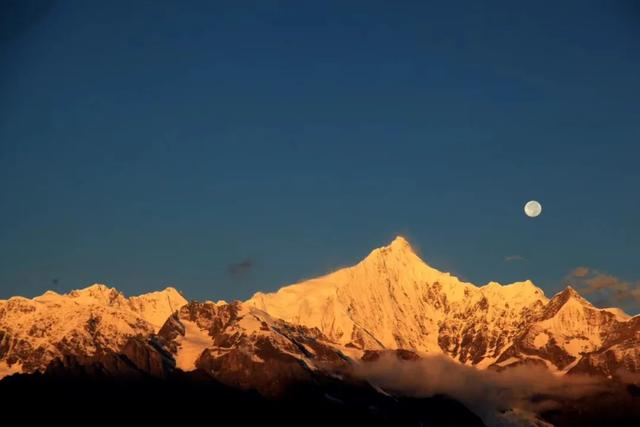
[[226, 148]]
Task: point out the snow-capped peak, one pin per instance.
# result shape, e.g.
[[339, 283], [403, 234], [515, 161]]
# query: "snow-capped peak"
[[399, 250], [35, 331], [568, 327], [519, 293], [155, 307], [568, 294], [393, 299], [94, 289], [569, 291], [98, 293], [399, 244], [398, 259]]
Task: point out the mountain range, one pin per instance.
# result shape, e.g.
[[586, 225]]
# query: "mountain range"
[[318, 330], [394, 300]]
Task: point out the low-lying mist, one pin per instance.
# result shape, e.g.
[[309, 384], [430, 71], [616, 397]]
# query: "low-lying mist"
[[508, 397]]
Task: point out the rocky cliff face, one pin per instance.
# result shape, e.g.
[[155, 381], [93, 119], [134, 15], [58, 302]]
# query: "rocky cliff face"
[[617, 357], [568, 328], [242, 346]]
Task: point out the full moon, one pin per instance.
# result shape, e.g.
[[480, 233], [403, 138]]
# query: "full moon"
[[533, 209]]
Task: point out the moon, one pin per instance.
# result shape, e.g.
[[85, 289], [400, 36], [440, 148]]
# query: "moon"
[[533, 209]]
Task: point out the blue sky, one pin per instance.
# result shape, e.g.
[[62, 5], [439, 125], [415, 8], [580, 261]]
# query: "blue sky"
[[144, 144]]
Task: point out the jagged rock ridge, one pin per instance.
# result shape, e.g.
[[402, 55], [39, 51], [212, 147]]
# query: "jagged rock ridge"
[[86, 322]]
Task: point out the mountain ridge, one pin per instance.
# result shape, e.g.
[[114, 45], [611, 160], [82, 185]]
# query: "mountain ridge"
[[409, 298], [390, 300], [84, 322]]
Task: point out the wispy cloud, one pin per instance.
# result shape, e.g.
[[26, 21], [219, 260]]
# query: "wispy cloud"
[[608, 288], [512, 258], [579, 272], [240, 269]]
